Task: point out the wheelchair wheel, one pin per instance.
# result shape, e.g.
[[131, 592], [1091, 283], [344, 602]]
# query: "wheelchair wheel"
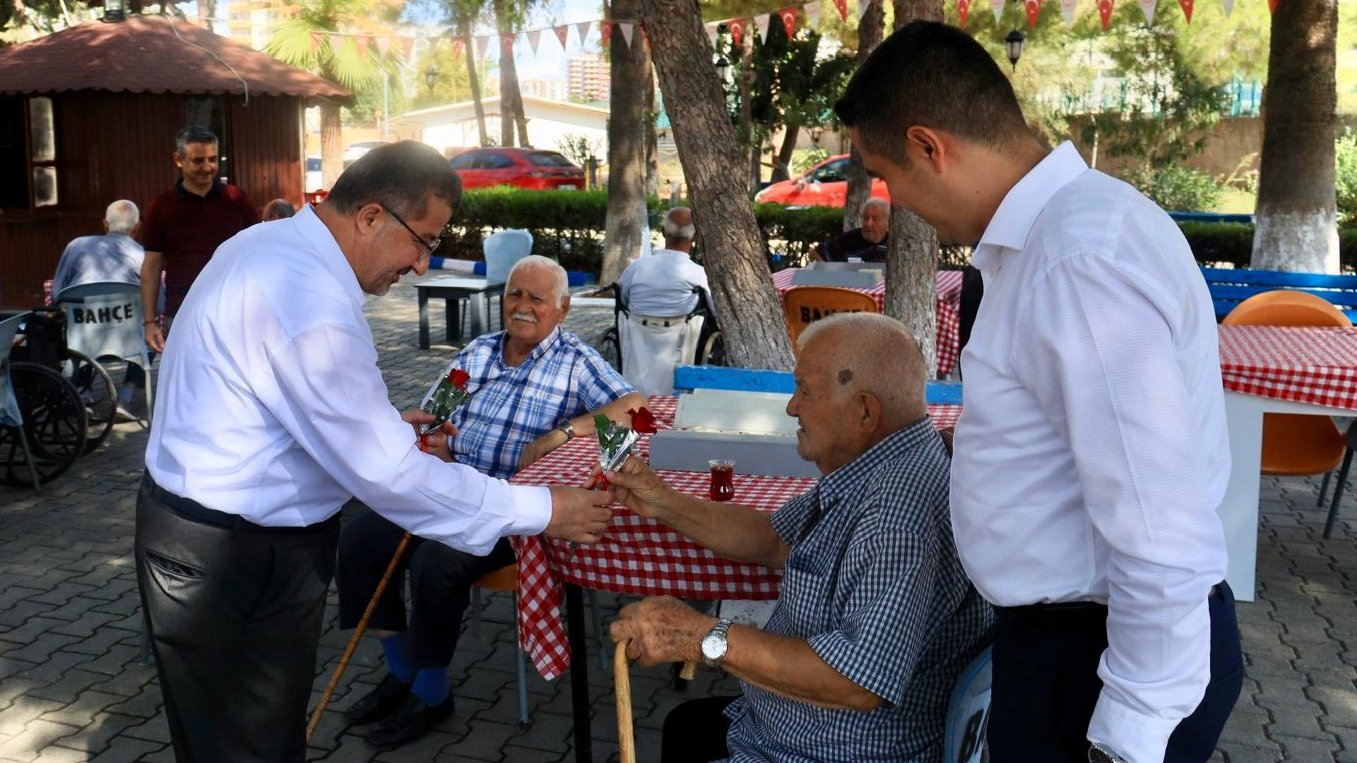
[[54, 425], [611, 349], [98, 393], [712, 352]]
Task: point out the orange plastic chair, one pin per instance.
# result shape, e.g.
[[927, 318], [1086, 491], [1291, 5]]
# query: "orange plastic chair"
[[1294, 445], [504, 580], [803, 305]]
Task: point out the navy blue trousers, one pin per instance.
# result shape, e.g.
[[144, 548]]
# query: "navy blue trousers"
[[1046, 683]]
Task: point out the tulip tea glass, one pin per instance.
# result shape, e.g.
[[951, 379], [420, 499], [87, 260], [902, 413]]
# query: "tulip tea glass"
[[722, 479]]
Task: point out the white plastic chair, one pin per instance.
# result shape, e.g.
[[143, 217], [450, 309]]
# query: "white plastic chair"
[[104, 319], [502, 250], [10, 415], [968, 712]]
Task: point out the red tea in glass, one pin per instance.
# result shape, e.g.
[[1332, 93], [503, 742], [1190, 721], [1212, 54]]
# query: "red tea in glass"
[[722, 479]]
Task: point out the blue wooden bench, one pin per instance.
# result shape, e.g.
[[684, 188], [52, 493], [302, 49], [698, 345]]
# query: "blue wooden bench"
[[1230, 287], [688, 378]]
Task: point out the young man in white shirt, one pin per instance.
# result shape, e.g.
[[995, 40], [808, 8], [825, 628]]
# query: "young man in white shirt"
[[1092, 453], [271, 414]]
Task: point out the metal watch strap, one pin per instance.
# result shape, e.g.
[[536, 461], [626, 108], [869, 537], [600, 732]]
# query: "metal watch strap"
[[567, 426], [720, 629]]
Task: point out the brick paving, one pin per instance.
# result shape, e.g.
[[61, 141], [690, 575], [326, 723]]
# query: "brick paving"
[[72, 686]]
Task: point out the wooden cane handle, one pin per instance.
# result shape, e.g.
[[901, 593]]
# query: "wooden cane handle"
[[689, 670], [626, 739]]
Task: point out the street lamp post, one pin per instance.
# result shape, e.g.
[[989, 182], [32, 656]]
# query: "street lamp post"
[[430, 78], [114, 10], [1013, 46]]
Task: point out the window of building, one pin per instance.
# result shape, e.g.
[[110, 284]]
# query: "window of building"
[[28, 153]]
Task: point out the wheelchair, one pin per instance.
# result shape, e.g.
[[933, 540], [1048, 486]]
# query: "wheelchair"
[[43, 421], [45, 344], [710, 346]]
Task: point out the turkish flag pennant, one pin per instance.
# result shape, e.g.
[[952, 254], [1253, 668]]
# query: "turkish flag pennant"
[[1105, 12], [407, 45], [383, 45], [626, 27], [963, 10], [1067, 10], [1228, 5], [562, 33], [1272, 6], [1186, 5], [1147, 8], [361, 43], [997, 8], [582, 30], [736, 27], [842, 7], [1033, 8], [788, 21], [534, 37], [605, 28], [761, 23], [506, 42]]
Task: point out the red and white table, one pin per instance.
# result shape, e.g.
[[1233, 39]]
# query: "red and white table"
[[638, 556], [946, 303], [1274, 369]]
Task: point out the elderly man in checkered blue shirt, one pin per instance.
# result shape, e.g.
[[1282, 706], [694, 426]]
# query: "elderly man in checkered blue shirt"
[[875, 618], [533, 387]]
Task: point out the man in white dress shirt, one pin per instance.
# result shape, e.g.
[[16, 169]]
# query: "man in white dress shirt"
[[272, 414], [1092, 453]]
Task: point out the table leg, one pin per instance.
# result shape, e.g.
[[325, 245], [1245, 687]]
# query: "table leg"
[[423, 298], [452, 309], [579, 673], [1239, 507]]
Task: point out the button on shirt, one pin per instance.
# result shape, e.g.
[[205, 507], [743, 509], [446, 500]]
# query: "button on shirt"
[[874, 585], [271, 405], [661, 284], [1092, 452], [510, 406]]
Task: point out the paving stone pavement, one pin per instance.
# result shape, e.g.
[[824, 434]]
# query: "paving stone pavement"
[[72, 686]]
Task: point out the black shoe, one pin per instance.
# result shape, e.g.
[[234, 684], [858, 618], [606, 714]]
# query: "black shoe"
[[379, 702], [409, 722]]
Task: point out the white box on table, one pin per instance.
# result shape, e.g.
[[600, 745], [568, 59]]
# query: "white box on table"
[[750, 428], [849, 279]]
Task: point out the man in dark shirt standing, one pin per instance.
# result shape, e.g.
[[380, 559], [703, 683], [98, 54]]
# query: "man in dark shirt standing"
[[867, 243], [184, 226]]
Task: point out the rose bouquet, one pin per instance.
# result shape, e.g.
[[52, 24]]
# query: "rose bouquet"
[[447, 393], [617, 441]]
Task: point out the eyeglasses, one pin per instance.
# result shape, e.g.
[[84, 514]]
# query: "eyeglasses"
[[428, 247]]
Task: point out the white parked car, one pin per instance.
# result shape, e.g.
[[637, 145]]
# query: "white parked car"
[[313, 181]]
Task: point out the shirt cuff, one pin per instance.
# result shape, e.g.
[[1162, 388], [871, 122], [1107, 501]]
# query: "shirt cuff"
[[532, 505], [1133, 735]]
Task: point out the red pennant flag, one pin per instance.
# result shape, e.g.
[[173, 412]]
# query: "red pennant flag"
[[506, 42], [1033, 10], [788, 16], [1105, 12], [963, 9], [1186, 5], [457, 47], [605, 29], [562, 32], [736, 27], [842, 7], [407, 44], [1272, 6], [361, 43]]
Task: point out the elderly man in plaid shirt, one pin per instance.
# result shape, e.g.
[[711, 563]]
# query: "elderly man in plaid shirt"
[[875, 618], [533, 387]]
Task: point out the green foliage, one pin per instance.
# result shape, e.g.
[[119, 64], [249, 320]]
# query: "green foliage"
[[1177, 188], [579, 148], [1345, 174]]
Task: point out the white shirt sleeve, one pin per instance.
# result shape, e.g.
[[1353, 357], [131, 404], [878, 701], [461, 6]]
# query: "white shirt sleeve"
[[332, 400], [1103, 364]]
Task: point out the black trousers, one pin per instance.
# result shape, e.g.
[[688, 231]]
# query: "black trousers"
[[440, 585], [1046, 683], [234, 613], [695, 731]]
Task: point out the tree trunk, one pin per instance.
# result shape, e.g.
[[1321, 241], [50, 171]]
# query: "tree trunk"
[[748, 133], [782, 164], [871, 29], [749, 309], [631, 76], [912, 263], [331, 143], [1295, 217], [464, 32], [511, 117], [652, 140]]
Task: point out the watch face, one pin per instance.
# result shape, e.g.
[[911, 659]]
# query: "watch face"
[[713, 646]]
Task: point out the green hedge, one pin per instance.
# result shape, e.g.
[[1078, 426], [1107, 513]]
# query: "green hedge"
[[568, 226]]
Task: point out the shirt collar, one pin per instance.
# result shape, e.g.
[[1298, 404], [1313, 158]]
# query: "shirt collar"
[[849, 478], [217, 187], [542, 348], [1017, 213], [327, 250]]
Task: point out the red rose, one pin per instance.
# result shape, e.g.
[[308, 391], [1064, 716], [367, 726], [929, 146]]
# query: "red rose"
[[642, 420], [459, 378]]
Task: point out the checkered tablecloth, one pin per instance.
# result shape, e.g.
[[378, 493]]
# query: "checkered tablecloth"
[[946, 303], [638, 556], [1301, 364]]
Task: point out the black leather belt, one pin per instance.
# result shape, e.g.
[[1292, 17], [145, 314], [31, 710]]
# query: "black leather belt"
[[187, 508], [1047, 611]]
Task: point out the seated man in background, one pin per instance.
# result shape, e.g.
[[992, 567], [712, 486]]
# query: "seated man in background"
[[113, 256], [533, 387], [869, 243], [278, 209], [875, 618], [660, 290]]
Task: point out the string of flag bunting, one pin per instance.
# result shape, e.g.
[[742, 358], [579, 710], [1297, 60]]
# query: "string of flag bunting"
[[807, 14]]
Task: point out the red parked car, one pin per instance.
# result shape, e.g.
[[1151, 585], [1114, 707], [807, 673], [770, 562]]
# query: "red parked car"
[[824, 185], [519, 167]]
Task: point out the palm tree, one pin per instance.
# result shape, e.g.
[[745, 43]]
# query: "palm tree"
[[509, 14], [301, 41], [628, 128]]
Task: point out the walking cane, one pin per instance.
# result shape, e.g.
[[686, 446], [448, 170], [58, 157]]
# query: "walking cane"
[[626, 736]]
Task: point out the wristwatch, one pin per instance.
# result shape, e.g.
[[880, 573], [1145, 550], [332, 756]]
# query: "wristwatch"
[[565, 426], [1101, 753], [714, 644]]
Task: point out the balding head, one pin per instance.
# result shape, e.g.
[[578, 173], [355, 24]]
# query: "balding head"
[[860, 378], [121, 216], [679, 230]]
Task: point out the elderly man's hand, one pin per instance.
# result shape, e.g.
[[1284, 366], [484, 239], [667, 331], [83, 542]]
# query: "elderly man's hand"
[[661, 629], [637, 486], [579, 515], [540, 447], [438, 442]]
